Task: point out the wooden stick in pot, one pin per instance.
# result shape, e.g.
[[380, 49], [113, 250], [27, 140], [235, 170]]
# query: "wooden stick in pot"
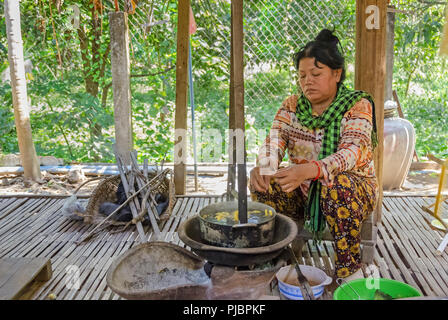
[[237, 65]]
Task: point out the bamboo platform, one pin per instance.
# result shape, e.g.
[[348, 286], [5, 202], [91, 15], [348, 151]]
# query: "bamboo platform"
[[34, 227]]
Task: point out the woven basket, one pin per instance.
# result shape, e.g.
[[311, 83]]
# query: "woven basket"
[[106, 190]]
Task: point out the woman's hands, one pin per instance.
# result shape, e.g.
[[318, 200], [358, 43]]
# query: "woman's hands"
[[289, 178], [259, 182]]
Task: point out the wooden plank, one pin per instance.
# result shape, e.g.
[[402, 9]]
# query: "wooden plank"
[[329, 267], [102, 265], [71, 233], [330, 251], [403, 248], [7, 269], [315, 255], [426, 201], [25, 271], [38, 244], [178, 207], [425, 240], [179, 219], [81, 261], [414, 220], [188, 212], [403, 244], [14, 207], [306, 255], [174, 219], [238, 136], [20, 220], [100, 275], [39, 227], [64, 256], [4, 204], [16, 217], [370, 72], [381, 264], [412, 259], [193, 211], [87, 267], [389, 260], [71, 256], [429, 260], [426, 251], [180, 125], [424, 221], [121, 84], [20, 235]]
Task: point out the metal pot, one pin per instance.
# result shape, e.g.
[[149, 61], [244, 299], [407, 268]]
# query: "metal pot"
[[284, 233], [219, 225]]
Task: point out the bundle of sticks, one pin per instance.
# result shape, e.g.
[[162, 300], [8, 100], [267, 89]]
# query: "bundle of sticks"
[[141, 193]]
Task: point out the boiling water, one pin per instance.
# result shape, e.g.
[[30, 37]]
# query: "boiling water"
[[231, 218]]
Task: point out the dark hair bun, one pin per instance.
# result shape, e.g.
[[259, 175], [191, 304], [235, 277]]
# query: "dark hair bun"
[[324, 48], [327, 36]]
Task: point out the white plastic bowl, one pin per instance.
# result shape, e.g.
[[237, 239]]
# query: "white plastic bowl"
[[314, 275]]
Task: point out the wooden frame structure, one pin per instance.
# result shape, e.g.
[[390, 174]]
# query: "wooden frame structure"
[[370, 75]]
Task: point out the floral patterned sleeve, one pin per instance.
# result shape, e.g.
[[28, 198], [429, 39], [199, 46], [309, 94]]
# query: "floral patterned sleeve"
[[355, 148], [273, 149]]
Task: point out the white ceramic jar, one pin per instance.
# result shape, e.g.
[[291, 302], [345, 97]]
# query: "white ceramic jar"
[[399, 145]]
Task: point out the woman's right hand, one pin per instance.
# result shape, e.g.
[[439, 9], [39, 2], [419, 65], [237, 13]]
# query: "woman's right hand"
[[259, 182]]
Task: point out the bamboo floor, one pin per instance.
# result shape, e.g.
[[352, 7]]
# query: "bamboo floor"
[[33, 226]]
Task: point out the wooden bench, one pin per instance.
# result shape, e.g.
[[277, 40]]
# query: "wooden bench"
[[16, 274]]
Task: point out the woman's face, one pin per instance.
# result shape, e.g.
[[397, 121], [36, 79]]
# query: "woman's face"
[[319, 84]]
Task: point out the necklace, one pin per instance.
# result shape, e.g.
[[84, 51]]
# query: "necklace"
[[317, 111]]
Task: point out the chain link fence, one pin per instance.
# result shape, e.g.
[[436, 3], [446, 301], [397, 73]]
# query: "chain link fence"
[[66, 121], [273, 32]]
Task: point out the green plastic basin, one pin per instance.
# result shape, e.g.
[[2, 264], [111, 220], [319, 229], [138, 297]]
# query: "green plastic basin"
[[366, 289]]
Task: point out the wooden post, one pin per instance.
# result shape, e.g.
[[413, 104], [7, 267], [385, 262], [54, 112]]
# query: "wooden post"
[[231, 170], [180, 124], [390, 42], [238, 98], [370, 71], [119, 41]]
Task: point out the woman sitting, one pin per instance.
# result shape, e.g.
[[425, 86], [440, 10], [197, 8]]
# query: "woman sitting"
[[329, 133]]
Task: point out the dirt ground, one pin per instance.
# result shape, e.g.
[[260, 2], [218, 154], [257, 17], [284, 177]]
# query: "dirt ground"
[[62, 184]]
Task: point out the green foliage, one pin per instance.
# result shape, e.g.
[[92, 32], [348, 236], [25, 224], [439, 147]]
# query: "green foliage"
[[420, 75], [72, 103], [8, 137]]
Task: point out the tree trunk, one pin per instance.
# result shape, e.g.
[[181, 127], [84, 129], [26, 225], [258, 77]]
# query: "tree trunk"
[[28, 155]]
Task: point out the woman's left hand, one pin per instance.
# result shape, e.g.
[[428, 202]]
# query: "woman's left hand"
[[290, 178]]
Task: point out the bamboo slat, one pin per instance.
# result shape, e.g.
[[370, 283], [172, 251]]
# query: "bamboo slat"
[[36, 228]]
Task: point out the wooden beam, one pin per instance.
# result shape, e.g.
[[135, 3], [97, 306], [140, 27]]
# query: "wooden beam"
[[180, 124], [121, 84], [370, 70], [238, 98], [231, 170], [390, 42]]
